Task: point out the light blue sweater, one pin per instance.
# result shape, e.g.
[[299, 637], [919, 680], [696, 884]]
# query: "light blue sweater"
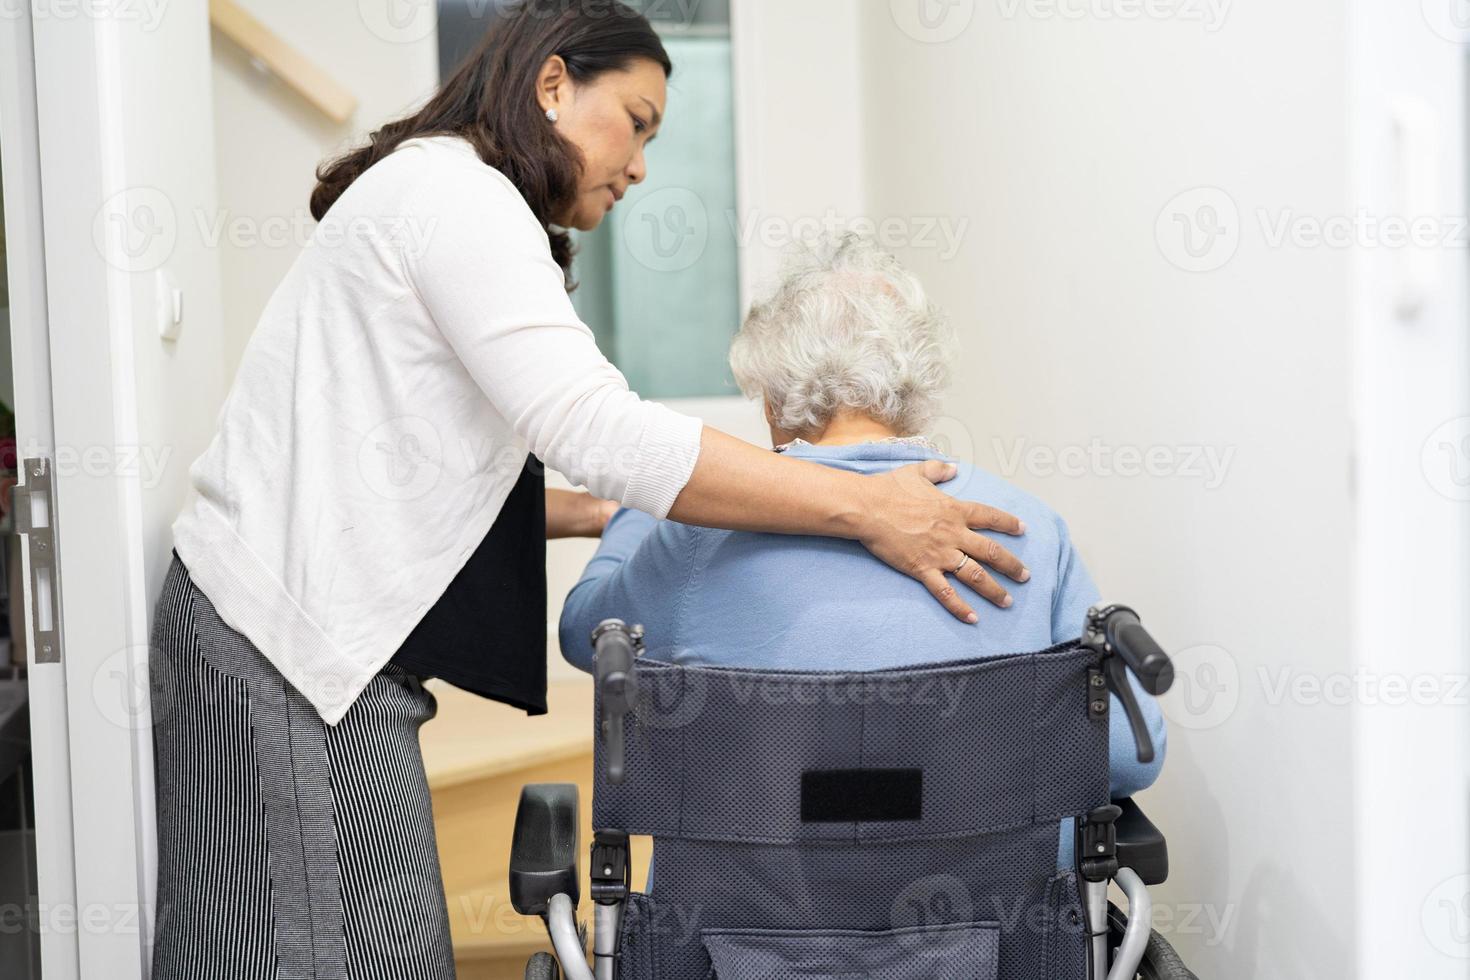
[[764, 600]]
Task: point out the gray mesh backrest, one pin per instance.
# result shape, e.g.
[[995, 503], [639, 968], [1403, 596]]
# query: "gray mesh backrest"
[[984, 758]]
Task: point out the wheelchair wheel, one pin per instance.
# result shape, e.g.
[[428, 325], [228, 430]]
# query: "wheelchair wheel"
[[1160, 962], [542, 966]]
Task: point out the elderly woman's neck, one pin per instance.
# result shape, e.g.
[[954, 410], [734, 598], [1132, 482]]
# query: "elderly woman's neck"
[[850, 429]]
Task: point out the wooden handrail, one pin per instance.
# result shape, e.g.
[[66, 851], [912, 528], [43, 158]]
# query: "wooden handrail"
[[286, 62]]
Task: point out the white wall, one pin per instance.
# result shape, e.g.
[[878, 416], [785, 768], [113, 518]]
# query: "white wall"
[[168, 160], [798, 123], [1062, 142], [268, 140]]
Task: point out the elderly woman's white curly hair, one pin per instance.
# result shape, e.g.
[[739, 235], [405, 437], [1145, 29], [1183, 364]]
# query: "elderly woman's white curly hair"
[[848, 329]]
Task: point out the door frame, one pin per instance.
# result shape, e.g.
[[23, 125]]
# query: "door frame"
[[72, 342], [26, 269], [1410, 88]]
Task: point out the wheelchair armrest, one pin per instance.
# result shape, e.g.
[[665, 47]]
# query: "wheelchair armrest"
[[1141, 845], [543, 853]]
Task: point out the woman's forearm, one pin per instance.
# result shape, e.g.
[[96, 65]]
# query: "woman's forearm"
[[739, 487]]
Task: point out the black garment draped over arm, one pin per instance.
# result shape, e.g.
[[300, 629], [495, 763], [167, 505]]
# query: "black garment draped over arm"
[[487, 633]]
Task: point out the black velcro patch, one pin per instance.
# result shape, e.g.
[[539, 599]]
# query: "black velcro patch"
[[850, 795]]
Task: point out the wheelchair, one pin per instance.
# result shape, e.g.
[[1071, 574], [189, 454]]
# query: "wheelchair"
[[897, 824]]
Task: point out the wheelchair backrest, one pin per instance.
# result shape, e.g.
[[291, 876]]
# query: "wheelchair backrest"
[[898, 824]]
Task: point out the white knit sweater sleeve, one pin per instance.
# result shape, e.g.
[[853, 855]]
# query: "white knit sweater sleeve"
[[484, 270]]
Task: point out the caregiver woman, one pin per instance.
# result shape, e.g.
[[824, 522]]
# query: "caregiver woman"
[[368, 514]]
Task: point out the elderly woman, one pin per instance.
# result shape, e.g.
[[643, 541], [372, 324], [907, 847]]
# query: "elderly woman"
[[850, 360]]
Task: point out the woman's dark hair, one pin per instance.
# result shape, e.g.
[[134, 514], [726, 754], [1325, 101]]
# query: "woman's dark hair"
[[491, 101]]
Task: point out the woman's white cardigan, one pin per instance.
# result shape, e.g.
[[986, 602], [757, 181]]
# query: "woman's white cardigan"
[[421, 344]]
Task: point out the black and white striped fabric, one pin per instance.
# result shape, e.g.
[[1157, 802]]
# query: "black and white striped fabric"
[[287, 849]]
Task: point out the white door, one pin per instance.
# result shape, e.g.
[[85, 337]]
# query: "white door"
[[20, 162], [1411, 306], [106, 131]]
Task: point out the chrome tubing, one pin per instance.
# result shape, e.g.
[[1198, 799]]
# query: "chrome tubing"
[[561, 922], [1140, 924]]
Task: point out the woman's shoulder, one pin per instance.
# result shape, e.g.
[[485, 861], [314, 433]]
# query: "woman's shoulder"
[[444, 169], [446, 151], [436, 188]]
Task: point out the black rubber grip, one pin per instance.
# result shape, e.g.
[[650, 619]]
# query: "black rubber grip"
[[612, 667], [1143, 655]]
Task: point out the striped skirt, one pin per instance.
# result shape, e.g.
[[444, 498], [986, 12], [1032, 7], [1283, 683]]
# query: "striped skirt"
[[286, 848]]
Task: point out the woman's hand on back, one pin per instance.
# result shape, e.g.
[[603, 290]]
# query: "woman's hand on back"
[[900, 516], [923, 532]]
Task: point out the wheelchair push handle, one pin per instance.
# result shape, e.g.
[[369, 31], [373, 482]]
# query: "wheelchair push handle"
[[615, 646], [1115, 633], [1123, 632]]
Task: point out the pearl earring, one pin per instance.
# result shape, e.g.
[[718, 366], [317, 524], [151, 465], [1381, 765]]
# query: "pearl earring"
[[552, 115]]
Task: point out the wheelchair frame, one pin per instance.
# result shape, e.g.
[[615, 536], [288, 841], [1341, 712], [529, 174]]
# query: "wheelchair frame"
[[1115, 843]]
